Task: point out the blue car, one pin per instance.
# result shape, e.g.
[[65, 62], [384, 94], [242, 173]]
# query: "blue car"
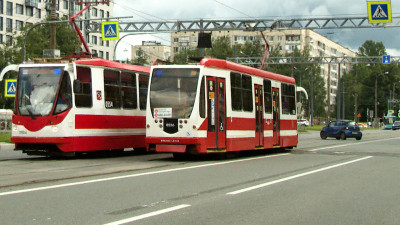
[[341, 129]]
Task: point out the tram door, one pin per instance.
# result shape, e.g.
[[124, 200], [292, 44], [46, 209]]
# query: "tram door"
[[276, 115], [216, 113], [258, 92]]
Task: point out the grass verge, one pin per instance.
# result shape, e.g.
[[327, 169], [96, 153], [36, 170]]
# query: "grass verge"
[[5, 137]]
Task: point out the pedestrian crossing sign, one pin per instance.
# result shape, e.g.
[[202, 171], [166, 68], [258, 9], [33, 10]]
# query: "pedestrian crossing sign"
[[10, 87], [110, 30], [379, 12]]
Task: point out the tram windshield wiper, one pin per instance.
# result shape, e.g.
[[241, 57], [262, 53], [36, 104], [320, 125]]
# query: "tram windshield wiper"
[[31, 113]]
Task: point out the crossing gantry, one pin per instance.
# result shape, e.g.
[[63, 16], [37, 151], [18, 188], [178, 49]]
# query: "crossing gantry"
[[313, 60], [242, 24]]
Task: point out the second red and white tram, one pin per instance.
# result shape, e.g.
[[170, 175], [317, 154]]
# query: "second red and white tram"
[[79, 106], [219, 106]]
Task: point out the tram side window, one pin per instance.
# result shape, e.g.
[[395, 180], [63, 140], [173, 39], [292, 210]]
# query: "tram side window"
[[288, 99], [267, 96], [112, 93], [241, 92], [202, 108], [143, 86], [247, 93], [236, 90], [84, 97], [64, 99], [128, 90]]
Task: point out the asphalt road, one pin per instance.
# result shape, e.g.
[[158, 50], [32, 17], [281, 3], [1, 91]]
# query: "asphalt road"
[[320, 182]]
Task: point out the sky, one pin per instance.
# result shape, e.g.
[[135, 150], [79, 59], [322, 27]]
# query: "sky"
[[159, 10]]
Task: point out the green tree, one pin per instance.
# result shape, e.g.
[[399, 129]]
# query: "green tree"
[[305, 75], [364, 79], [371, 48], [251, 49], [7, 56], [183, 56], [221, 48], [38, 39]]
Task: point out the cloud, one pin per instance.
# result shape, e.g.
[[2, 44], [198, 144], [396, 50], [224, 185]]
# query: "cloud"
[[158, 10]]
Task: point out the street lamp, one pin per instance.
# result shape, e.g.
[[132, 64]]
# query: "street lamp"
[[376, 123], [311, 101]]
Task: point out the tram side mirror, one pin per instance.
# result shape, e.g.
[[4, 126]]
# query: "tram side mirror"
[[77, 86]]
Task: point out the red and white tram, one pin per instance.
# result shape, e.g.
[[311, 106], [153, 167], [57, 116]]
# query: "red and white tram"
[[79, 106], [219, 106]]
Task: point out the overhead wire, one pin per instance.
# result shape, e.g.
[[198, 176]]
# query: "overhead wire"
[[234, 9], [137, 11]]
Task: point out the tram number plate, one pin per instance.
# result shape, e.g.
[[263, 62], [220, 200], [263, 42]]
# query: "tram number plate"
[[109, 104]]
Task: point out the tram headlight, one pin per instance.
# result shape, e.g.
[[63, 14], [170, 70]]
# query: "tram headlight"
[[54, 128]]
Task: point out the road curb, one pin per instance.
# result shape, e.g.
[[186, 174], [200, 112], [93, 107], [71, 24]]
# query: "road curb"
[[6, 146]]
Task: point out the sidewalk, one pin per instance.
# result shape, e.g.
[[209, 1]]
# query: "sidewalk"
[[6, 146]]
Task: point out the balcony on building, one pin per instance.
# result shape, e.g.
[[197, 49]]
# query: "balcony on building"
[[32, 3]]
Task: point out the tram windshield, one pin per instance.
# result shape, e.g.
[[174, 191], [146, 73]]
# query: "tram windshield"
[[173, 91], [37, 89]]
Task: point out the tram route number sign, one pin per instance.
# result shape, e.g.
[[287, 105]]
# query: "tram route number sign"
[[10, 88], [110, 30]]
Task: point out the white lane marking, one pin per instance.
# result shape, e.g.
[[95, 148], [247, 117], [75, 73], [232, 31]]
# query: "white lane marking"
[[167, 171], [358, 143], [134, 175], [147, 215], [295, 176]]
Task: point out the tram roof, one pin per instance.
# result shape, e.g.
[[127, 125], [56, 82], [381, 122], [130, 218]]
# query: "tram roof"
[[112, 64], [223, 64]]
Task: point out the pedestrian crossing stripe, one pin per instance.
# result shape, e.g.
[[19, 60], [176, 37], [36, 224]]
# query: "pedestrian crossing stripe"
[[379, 12], [110, 30], [10, 87]]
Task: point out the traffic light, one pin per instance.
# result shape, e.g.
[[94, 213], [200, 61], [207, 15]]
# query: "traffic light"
[[204, 40]]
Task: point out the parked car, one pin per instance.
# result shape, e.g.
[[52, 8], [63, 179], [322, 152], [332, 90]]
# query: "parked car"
[[396, 125], [303, 122], [388, 126], [341, 129]]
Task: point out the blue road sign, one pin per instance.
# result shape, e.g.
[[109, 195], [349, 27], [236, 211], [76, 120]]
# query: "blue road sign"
[[379, 12], [386, 59], [110, 30], [10, 88]]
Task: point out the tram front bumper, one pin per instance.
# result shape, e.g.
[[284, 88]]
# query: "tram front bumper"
[[171, 148]]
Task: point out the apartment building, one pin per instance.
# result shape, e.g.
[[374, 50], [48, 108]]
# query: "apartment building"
[[151, 50], [15, 14], [285, 41]]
